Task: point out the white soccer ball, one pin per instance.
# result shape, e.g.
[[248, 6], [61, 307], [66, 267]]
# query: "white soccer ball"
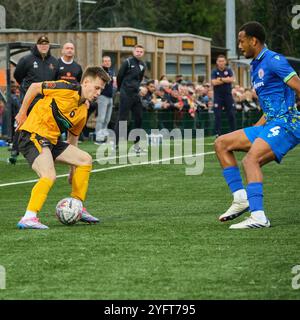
[[69, 210]]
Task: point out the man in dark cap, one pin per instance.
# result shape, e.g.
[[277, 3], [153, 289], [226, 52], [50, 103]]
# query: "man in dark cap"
[[38, 66]]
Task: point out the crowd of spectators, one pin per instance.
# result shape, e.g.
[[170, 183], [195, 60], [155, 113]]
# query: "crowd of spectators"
[[190, 97]]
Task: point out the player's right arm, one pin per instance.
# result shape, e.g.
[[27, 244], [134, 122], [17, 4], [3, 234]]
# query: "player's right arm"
[[32, 92]]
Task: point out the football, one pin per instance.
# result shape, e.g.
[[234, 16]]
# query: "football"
[[69, 210]]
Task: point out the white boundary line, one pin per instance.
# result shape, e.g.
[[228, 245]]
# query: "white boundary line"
[[112, 168]]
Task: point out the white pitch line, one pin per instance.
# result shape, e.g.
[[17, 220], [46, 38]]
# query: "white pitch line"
[[113, 168]]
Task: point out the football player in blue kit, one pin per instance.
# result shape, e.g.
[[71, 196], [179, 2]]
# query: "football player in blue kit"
[[277, 132]]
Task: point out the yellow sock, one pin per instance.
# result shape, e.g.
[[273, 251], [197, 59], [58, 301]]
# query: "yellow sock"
[[39, 194], [80, 182]]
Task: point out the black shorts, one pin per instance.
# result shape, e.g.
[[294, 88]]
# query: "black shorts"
[[31, 144]]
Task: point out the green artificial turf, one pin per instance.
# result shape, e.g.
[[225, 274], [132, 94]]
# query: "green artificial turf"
[[159, 236]]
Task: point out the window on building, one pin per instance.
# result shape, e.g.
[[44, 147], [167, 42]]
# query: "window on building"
[[148, 59], [171, 65], [186, 66], [200, 67]]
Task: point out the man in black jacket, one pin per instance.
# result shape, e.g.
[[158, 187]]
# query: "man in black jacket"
[[38, 66], [69, 69], [129, 79]]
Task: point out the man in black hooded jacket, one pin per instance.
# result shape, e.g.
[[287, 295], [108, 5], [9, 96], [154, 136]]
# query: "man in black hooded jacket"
[[38, 66], [129, 79]]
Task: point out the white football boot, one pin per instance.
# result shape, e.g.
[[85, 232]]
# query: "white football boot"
[[251, 223], [31, 223], [237, 208]]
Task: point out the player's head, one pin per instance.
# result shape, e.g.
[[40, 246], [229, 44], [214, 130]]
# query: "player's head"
[[138, 51], [221, 61], [68, 50], [93, 82], [251, 38]]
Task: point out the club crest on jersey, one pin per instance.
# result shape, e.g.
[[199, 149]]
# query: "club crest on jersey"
[[35, 65], [226, 73], [261, 73]]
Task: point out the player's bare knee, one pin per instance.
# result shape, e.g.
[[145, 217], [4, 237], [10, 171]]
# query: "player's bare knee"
[[220, 145]]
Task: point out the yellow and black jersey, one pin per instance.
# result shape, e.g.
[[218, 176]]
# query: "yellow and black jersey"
[[59, 111]]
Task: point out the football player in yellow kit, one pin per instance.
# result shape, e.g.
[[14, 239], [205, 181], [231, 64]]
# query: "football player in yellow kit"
[[63, 108]]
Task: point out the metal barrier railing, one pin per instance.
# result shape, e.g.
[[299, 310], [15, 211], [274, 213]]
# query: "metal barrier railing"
[[170, 119]]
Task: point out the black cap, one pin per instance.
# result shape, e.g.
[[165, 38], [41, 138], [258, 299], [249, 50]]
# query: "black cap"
[[42, 40]]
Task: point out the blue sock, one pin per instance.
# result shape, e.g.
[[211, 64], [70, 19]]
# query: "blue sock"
[[255, 196], [233, 178]]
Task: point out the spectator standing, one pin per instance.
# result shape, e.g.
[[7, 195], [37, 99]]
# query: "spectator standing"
[[15, 103], [129, 79], [105, 104], [222, 78], [37, 66], [69, 70]]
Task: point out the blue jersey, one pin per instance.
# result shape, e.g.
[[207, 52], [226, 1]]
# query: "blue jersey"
[[270, 72]]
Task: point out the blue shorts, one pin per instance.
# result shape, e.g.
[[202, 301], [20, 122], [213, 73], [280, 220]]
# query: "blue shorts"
[[280, 140]]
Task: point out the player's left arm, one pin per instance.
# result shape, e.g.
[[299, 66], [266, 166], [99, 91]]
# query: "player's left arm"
[[261, 121], [294, 83], [281, 67]]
